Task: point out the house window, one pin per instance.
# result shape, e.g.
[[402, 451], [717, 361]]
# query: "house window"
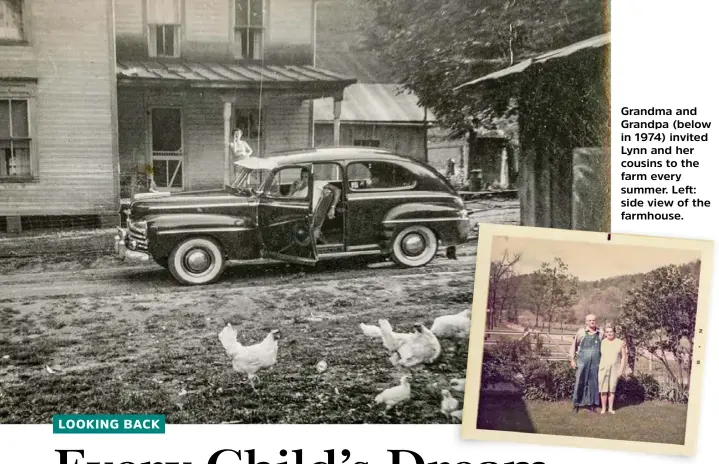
[[249, 29], [11, 20], [366, 143], [164, 25], [15, 162]]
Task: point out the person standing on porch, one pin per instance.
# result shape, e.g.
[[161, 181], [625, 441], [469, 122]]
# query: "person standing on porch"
[[240, 148], [585, 355]]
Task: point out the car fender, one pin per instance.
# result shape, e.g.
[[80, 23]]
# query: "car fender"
[[238, 235], [445, 220]]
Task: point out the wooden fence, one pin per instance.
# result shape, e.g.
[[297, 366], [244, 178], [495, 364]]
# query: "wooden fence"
[[559, 344]]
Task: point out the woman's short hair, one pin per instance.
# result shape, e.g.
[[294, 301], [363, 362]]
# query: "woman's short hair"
[[237, 130], [609, 325]]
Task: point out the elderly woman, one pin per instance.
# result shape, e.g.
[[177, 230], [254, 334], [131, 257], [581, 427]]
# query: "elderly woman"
[[611, 366]]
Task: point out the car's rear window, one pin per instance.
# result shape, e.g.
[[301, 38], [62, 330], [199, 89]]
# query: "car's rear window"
[[379, 175]]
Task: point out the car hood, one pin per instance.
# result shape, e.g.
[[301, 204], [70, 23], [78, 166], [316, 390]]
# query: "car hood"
[[198, 202]]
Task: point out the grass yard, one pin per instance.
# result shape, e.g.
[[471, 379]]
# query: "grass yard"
[[158, 352], [656, 422]]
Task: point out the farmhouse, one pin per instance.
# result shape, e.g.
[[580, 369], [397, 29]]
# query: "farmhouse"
[[191, 71], [147, 91], [58, 138]]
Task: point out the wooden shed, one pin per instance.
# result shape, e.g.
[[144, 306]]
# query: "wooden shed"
[[376, 115], [564, 160]]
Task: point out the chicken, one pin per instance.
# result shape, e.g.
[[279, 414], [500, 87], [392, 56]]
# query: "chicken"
[[395, 395], [250, 359], [453, 325], [422, 347], [392, 340], [457, 385], [371, 331], [449, 403]]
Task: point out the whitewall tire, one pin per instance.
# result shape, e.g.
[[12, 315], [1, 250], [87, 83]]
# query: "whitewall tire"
[[414, 246], [196, 261]]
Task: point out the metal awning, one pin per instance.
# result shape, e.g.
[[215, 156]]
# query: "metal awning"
[[594, 42], [374, 103], [240, 76]]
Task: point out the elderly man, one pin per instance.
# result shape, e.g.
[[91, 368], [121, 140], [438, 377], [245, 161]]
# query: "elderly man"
[[584, 355]]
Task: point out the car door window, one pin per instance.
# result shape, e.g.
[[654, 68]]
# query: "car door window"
[[288, 182], [379, 175]]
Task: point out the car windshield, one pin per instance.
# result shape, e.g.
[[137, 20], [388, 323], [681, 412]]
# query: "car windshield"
[[280, 182]]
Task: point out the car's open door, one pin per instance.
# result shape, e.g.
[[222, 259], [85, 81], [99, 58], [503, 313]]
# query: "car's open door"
[[285, 219]]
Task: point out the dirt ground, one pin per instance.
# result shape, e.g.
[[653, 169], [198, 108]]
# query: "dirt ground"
[[82, 333]]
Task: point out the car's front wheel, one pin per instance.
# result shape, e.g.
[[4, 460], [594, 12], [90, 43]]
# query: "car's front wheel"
[[196, 261], [414, 246]]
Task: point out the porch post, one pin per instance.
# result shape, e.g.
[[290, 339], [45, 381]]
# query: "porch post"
[[227, 115], [336, 121]]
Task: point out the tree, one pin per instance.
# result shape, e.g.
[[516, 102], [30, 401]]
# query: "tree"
[[435, 45], [659, 317], [502, 288], [554, 291]]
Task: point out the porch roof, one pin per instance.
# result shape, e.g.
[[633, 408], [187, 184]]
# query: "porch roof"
[[239, 76]]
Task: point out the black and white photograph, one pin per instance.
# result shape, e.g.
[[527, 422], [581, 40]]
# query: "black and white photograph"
[[267, 211], [589, 336]]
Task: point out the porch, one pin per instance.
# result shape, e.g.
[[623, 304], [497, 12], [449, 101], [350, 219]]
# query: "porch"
[[175, 120]]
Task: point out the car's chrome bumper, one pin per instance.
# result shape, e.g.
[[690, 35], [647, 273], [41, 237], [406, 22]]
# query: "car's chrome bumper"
[[121, 251]]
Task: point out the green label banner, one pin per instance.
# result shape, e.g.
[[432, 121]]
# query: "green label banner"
[[108, 423]]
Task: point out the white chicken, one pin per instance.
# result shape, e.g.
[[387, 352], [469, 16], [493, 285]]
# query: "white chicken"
[[371, 331], [457, 384], [449, 403], [452, 325], [394, 395], [392, 340], [250, 359], [422, 347]]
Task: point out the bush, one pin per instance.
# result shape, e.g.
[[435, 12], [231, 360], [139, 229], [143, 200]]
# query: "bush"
[[549, 381], [503, 362], [637, 388], [518, 362]]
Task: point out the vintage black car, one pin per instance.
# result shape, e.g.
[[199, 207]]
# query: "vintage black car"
[[388, 206]]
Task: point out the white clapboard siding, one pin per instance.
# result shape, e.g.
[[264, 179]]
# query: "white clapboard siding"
[[72, 122]]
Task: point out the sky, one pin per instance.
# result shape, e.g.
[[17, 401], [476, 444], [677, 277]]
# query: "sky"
[[589, 261]]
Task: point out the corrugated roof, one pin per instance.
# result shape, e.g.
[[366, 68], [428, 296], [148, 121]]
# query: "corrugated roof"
[[365, 66], [229, 75], [374, 103], [594, 42]]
